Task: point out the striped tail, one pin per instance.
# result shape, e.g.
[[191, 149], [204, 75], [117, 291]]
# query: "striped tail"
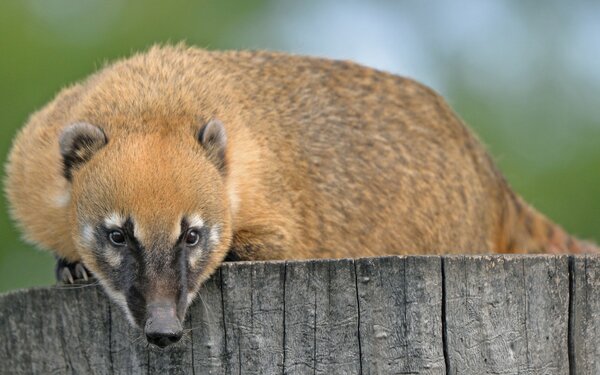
[[525, 230]]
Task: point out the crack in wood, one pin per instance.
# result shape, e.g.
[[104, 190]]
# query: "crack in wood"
[[571, 318], [227, 350], [360, 357], [283, 324], [444, 323]]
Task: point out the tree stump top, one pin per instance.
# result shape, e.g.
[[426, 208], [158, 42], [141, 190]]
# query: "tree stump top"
[[403, 315]]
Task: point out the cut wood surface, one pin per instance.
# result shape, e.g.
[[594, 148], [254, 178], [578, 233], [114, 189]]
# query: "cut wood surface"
[[388, 315]]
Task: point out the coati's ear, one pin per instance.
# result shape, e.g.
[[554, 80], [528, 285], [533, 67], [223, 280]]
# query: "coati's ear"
[[213, 138], [78, 143]]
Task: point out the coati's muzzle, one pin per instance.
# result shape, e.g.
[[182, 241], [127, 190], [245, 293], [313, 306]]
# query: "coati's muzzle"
[[158, 298], [163, 326]]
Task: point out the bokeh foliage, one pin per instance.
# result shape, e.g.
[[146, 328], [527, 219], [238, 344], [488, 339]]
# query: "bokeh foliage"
[[544, 131]]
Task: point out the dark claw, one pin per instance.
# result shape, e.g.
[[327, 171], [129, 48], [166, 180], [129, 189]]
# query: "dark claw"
[[70, 273]]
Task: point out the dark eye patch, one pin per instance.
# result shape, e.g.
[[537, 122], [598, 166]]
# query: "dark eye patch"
[[117, 236], [193, 236], [132, 266]]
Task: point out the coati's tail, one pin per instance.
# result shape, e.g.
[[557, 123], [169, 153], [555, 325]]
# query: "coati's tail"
[[525, 230]]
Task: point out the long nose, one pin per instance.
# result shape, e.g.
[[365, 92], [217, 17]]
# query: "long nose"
[[163, 327]]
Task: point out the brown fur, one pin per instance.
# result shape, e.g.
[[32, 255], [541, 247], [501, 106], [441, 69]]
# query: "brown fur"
[[324, 159]]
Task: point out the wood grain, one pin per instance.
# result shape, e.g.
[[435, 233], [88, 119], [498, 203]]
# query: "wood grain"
[[585, 318], [401, 315], [388, 315], [507, 315]]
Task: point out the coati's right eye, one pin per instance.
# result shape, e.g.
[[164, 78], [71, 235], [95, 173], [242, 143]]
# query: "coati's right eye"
[[192, 237], [117, 238]]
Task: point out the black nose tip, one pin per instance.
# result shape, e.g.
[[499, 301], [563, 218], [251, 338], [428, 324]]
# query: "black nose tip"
[[163, 327], [163, 339]]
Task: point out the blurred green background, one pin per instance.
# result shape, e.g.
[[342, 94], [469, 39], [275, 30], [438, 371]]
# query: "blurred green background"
[[524, 75]]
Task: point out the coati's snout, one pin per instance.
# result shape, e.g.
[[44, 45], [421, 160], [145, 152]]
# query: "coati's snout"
[[163, 326]]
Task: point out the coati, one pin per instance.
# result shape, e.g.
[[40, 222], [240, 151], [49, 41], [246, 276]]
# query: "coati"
[[157, 168]]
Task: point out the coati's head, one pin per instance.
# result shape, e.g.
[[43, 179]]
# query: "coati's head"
[[149, 216]]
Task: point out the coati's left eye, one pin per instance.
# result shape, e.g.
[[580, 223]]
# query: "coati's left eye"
[[192, 237], [117, 238]]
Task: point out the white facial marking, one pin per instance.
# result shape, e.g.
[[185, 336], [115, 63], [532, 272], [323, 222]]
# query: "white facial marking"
[[215, 234], [176, 231], [196, 221], [87, 235], [138, 231], [113, 257], [194, 256], [114, 220], [62, 199], [120, 299], [191, 297], [234, 199]]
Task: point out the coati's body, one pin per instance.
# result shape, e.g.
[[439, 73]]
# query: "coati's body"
[[322, 159]]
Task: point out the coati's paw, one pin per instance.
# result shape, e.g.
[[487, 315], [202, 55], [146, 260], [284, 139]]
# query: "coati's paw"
[[70, 273]]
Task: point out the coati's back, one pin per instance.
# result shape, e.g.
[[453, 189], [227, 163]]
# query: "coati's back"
[[373, 163], [370, 163], [323, 159]]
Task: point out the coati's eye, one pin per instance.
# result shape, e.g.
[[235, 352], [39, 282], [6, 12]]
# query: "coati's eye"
[[192, 237], [117, 238]]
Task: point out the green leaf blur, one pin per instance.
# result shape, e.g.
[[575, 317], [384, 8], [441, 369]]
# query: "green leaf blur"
[[542, 127]]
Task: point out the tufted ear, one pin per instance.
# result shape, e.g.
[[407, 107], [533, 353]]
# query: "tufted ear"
[[78, 143], [213, 138]]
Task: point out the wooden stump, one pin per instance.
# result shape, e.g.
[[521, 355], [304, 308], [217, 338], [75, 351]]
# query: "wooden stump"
[[388, 315]]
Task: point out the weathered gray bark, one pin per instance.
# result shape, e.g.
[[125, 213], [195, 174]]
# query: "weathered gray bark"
[[321, 318], [585, 317], [402, 315], [507, 315]]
